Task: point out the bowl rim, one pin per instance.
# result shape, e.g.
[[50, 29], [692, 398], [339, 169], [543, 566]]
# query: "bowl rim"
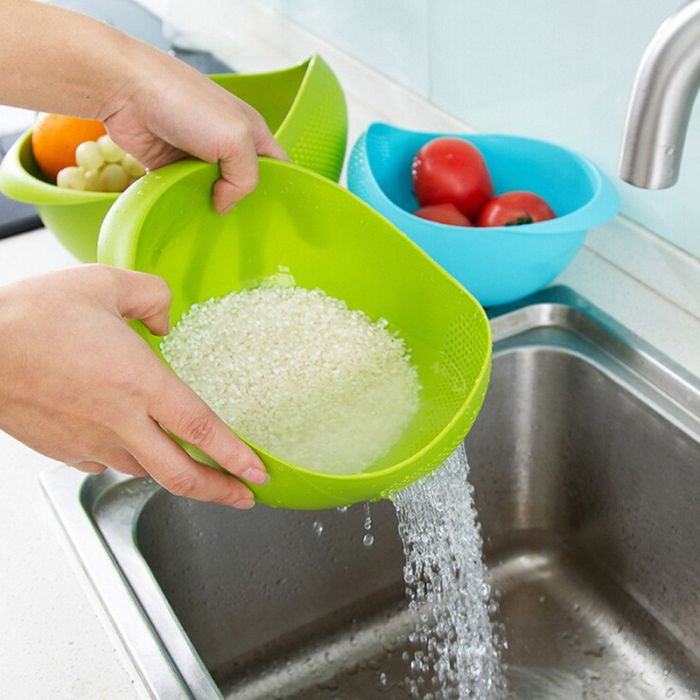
[[602, 206], [117, 246], [309, 65], [15, 178]]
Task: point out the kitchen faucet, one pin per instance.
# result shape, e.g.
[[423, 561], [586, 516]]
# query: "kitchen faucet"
[[662, 98]]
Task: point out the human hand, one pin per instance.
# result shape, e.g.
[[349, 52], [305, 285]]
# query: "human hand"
[[79, 385], [154, 106], [169, 110]]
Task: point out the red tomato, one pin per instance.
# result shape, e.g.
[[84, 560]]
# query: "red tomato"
[[513, 209], [444, 214], [451, 170]]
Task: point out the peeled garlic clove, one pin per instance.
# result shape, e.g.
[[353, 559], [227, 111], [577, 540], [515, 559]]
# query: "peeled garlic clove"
[[92, 180], [110, 151], [133, 168], [71, 178], [89, 156], [113, 178]]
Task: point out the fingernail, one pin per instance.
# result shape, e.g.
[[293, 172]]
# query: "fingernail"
[[227, 209], [257, 476], [243, 503]]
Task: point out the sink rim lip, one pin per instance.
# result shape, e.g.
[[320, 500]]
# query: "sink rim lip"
[[560, 306], [73, 496]]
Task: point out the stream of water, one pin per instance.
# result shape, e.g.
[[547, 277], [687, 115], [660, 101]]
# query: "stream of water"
[[455, 645]]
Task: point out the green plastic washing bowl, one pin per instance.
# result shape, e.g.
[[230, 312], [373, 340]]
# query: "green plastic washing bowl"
[[329, 239], [304, 106]]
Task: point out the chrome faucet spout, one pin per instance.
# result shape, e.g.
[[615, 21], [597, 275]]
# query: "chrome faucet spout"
[[661, 101]]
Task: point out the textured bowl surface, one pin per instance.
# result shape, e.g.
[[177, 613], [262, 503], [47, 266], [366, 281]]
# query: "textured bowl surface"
[[326, 238], [500, 264]]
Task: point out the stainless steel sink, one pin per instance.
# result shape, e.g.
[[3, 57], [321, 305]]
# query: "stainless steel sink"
[[586, 466]]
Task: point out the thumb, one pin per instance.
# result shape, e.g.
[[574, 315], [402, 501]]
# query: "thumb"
[[144, 297]]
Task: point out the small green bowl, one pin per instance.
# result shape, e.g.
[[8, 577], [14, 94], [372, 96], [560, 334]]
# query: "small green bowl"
[[326, 238], [304, 106]]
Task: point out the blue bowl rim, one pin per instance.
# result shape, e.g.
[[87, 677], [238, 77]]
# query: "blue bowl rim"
[[603, 205]]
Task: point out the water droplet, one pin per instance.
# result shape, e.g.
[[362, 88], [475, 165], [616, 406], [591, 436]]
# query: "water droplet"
[[368, 517], [318, 528], [368, 540]]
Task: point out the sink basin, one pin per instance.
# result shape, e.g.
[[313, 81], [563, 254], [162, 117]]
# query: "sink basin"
[[586, 467]]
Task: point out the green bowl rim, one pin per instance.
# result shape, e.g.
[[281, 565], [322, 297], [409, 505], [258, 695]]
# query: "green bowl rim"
[[309, 64], [48, 193]]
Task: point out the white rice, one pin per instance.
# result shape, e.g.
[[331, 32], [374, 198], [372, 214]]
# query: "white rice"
[[299, 374]]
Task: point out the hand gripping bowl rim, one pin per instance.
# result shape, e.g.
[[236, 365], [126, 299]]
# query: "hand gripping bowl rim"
[[19, 184]]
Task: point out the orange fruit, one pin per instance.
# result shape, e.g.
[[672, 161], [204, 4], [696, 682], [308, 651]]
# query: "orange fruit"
[[55, 138]]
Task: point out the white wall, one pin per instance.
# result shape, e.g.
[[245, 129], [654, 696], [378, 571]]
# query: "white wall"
[[555, 69]]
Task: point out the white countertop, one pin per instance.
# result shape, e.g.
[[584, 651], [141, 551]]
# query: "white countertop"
[[55, 639]]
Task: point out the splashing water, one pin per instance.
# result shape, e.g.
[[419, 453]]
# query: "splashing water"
[[456, 648]]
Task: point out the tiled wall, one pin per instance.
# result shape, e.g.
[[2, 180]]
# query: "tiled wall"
[[559, 70]]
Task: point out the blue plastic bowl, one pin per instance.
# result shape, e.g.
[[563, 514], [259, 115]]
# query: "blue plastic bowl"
[[496, 264]]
